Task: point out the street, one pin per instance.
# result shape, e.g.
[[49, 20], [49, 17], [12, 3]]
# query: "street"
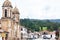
[[44, 39], [40, 38]]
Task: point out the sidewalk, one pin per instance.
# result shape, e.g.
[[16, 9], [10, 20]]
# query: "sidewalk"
[[52, 39]]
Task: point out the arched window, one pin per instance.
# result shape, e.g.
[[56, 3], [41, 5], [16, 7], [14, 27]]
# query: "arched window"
[[5, 12]]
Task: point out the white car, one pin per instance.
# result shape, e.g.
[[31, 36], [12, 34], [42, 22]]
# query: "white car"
[[47, 36]]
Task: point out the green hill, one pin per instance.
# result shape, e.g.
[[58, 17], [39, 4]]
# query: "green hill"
[[37, 25]]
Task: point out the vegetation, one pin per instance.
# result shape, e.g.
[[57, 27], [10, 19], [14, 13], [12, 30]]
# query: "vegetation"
[[37, 25]]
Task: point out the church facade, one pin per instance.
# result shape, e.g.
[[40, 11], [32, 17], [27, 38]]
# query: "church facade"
[[10, 20]]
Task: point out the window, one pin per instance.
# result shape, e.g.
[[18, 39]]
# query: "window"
[[5, 12]]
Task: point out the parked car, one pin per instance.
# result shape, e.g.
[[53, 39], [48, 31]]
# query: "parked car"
[[46, 36]]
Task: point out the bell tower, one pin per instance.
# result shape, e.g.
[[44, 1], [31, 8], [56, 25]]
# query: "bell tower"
[[16, 23], [7, 9]]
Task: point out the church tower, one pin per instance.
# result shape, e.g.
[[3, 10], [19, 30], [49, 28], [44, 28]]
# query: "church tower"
[[16, 22], [6, 20], [7, 9]]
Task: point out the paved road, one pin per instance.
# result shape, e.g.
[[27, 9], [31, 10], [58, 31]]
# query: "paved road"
[[44, 39], [53, 38]]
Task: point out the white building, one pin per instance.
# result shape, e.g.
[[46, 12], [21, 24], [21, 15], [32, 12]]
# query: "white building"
[[24, 33]]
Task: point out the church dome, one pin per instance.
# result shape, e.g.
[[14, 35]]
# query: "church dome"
[[15, 10], [7, 3]]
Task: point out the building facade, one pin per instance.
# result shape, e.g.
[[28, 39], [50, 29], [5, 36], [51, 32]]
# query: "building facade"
[[10, 20], [24, 34]]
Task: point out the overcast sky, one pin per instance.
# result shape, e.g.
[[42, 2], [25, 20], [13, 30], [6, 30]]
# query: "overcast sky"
[[36, 9]]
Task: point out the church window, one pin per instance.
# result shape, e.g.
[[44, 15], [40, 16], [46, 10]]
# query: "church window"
[[5, 12]]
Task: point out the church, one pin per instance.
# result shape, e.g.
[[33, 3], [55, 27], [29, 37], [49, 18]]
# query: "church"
[[9, 21]]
